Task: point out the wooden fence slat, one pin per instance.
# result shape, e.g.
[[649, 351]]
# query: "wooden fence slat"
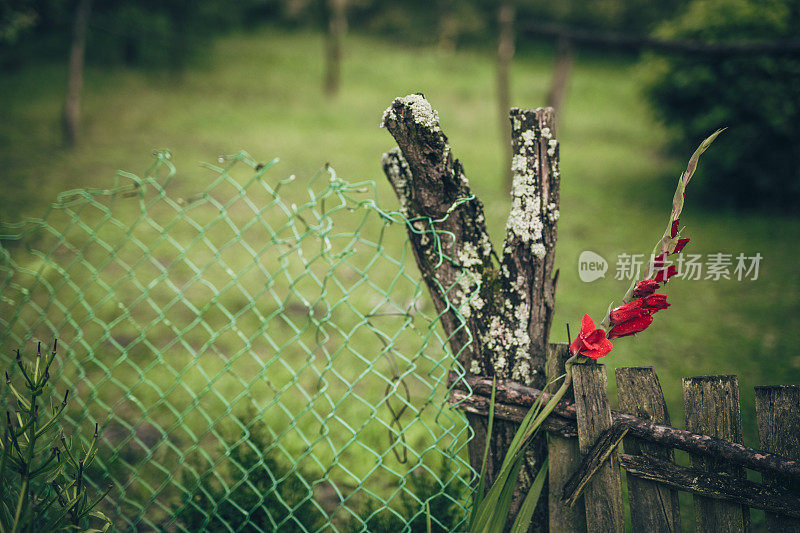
[[654, 507], [719, 486], [564, 456], [603, 494], [512, 393], [592, 461], [712, 407], [778, 414]]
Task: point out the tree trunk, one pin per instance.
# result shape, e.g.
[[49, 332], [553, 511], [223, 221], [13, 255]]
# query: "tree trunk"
[[496, 311], [448, 27], [337, 27], [72, 104], [505, 53], [561, 73]]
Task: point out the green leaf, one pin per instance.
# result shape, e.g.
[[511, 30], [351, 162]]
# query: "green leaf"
[[101, 516], [525, 514], [478, 497], [500, 515], [428, 526], [492, 512]]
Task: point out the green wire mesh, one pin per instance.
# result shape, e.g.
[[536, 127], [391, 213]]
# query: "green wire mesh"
[[260, 356]]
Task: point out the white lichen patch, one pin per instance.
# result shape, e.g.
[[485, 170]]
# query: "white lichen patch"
[[552, 212], [424, 240], [552, 144], [528, 139], [519, 165], [466, 295], [525, 218], [397, 172], [516, 123], [475, 368], [522, 371], [468, 256], [502, 341], [421, 111], [524, 221]]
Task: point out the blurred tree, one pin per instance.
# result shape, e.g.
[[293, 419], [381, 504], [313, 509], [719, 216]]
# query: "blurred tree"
[[630, 16], [72, 104], [560, 80], [161, 33], [757, 162], [505, 53], [336, 14], [16, 17]]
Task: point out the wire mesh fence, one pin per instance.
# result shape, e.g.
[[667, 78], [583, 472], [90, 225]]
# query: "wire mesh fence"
[[260, 355]]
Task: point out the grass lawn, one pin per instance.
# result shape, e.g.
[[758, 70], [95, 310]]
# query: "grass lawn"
[[261, 92]]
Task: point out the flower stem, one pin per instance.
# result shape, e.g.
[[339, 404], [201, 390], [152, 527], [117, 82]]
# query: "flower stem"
[[551, 404]]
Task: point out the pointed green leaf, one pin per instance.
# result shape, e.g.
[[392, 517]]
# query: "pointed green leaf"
[[525, 515]]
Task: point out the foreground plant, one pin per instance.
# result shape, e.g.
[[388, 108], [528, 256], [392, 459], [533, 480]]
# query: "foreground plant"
[[43, 485], [640, 303]]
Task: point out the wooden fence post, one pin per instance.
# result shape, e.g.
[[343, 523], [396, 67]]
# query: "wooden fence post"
[[564, 457], [778, 414], [654, 507], [495, 309], [603, 494], [712, 408]]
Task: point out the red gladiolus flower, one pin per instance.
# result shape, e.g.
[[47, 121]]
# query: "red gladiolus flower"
[[674, 230], [655, 302], [680, 245], [664, 275], [658, 261], [629, 311], [591, 341], [645, 287], [631, 327]]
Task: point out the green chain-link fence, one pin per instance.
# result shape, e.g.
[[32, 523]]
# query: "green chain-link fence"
[[261, 355]]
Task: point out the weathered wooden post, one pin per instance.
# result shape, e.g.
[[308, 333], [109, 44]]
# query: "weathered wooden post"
[[778, 414], [603, 498], [495, 309], [564, 457], [654, 507], [711, 405]]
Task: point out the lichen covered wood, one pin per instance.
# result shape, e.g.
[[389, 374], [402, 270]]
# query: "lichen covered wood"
[[498, 310], [495, 310]]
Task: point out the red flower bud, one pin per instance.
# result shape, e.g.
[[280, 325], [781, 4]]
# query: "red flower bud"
[[645, 287], [591, 341], [680, 245], [631, 327], [655, 302], [664, 275], [674, 230], [626, 312]]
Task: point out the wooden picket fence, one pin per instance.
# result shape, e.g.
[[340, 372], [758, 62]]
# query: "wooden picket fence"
[[589, 445]]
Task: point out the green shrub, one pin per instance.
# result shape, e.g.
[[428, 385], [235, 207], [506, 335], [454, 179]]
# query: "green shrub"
[[757, 160], [43, 474], [257, 490], [441, 496]]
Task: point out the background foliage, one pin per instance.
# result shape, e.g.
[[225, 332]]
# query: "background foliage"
[[252, 80], [757, 98]]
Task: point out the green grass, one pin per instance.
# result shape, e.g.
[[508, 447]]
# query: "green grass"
[[261, 92]]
